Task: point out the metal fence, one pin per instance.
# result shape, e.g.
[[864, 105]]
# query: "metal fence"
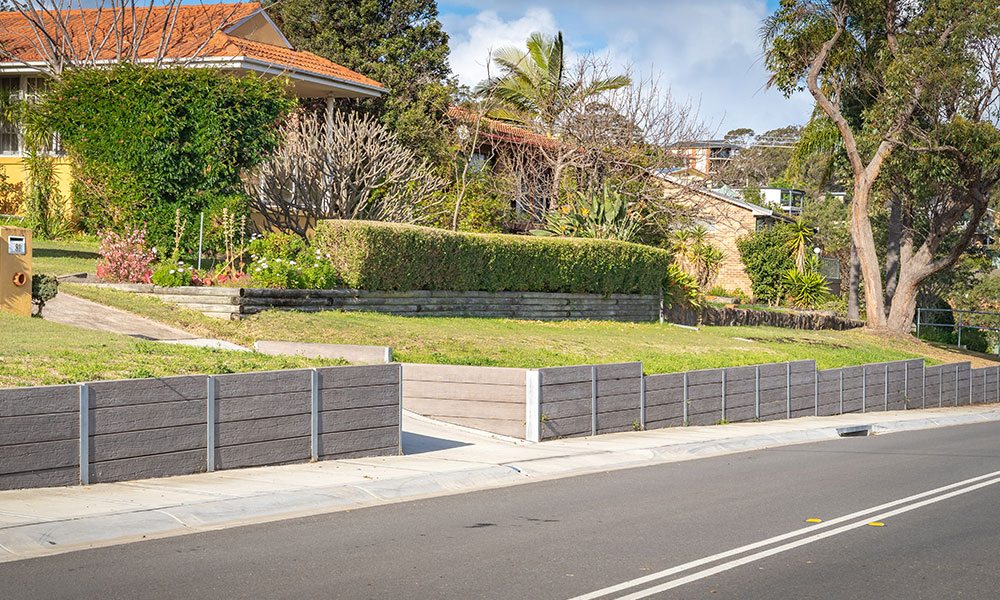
[[966, 319]]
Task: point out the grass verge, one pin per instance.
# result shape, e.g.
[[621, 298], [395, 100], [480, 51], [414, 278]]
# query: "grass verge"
[[38, 352], [532, 344]]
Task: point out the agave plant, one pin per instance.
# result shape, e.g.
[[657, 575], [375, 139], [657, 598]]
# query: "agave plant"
[[606, 215]]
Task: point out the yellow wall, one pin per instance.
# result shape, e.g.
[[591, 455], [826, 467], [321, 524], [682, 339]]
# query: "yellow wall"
[[13, 167]]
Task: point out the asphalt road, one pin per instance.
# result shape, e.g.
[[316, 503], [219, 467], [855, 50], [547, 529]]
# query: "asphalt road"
[[735, 526]]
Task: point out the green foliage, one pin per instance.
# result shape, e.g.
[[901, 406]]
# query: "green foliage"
[[44, 203], [607, 215], [485, 205], [800, 242], [281, 260], [172, 274], [695, 254], [384, 256], [274, 245], [680, 289], [535, 87], [150, 141], [806, 289], [766, 258], [399, 43], [43, 288]]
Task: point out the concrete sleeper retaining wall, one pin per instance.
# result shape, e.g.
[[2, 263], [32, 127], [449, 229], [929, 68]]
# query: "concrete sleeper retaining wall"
[[120, 430], [593, 399]]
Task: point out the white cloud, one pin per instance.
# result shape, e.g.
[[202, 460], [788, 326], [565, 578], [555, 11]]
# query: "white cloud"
[[707, 51], [472, 43]]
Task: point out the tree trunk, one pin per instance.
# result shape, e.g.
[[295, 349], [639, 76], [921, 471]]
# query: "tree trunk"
[[861, 234], [853, 282], [904, 303], [892, 258]]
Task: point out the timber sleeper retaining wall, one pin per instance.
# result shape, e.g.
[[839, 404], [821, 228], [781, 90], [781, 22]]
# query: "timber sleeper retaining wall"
[[108, 431], [234, 303]]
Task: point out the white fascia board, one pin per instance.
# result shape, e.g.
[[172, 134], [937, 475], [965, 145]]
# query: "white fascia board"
[[260, 66], [232, 62]]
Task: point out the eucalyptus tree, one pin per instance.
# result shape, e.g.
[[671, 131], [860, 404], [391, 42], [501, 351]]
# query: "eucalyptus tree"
[[916, 77]]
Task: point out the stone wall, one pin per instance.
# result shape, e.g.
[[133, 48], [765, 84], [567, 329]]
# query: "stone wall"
[[732, 317]]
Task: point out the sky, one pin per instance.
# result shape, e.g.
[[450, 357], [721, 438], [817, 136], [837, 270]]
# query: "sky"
[[706, 51]]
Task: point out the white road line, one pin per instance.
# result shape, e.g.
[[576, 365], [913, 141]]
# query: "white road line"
[[773, 540], [815, 538]]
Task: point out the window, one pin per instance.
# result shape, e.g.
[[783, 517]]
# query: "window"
[[10, 89]]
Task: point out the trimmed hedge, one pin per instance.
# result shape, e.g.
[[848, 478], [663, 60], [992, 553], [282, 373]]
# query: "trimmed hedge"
[[392, 257]]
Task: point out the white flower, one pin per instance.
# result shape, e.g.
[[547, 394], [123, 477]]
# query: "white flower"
[[291, 262], [171, 271], [257, 269], [315, 264], [154, 250], [180, 270], [328, 256]]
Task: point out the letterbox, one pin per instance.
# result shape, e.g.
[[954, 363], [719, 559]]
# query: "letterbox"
[[15, 270]]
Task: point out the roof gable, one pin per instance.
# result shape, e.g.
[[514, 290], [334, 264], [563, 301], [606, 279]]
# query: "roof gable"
[[201, 31]]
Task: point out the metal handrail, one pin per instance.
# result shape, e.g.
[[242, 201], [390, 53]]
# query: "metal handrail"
[[960, 325]]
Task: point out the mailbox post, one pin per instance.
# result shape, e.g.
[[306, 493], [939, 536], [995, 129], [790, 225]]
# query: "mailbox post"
[[15, 270]]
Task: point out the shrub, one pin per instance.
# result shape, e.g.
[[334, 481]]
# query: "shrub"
[[387, 256], [806, 289], [277, 245], [766, 257], [125, 256], [284, 261], [174, 275], [680, 289], [147, 141], [43, 288]]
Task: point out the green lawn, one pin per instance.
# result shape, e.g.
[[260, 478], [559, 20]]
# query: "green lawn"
[[63, 258], [495, 342], [38, 352]]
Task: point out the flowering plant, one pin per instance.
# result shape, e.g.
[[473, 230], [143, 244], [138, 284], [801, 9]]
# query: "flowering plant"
[[176, 274], [283, 261], [124, 256]]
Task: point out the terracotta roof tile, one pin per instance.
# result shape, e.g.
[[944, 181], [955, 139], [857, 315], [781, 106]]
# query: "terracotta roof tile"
[[192, 37], [501, 131]]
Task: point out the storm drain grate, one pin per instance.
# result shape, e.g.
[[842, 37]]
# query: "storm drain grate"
[[858, 431]]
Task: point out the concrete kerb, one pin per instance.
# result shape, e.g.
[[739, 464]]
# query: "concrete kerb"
[[107, 514]]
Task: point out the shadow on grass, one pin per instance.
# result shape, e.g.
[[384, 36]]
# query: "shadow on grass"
[[57, 253]]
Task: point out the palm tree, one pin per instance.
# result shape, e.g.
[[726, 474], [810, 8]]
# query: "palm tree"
[[802, 237], [534, 89]]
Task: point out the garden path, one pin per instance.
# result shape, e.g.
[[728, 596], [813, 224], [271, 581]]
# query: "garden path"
[[71, 310]]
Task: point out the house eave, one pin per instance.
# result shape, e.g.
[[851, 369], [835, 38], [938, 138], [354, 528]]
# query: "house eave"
[[233, 62]]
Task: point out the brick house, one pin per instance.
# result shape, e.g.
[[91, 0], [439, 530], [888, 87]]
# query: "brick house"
[[726, 218]]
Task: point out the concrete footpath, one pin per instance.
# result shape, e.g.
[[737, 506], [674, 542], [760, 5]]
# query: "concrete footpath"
[[71, 310], [439, 459]]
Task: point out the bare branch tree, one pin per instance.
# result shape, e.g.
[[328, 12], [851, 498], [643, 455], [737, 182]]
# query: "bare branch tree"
[[351, 167], [56, 35]]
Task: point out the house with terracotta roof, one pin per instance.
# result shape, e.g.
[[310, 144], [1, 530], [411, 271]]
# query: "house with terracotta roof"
[[238, 38]]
